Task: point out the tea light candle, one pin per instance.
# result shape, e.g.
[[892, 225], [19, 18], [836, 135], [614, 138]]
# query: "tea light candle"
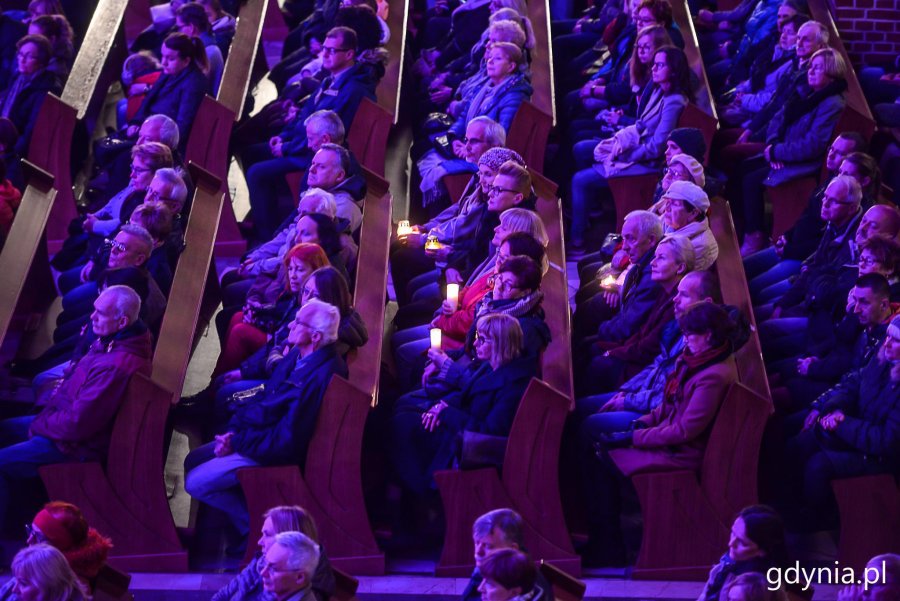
[[432, 243], [403, 229], [453, 295], [436, 338], [609, 281]]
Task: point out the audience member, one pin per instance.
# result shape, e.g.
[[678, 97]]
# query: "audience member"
[[191, 20], [41, 572], [685, 214], [59, 33], [885, 569], [509, 574], [288, 567]]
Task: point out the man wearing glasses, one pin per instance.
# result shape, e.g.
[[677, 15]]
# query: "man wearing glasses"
[[275, 426], [288, 567]]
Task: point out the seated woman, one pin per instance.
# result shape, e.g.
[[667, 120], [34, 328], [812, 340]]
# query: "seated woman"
[[248, 585], [796, 142], [684, 214], [425, 433], [191, 20], [510, 574], [22, 99], [41, 572], [673, 436], [636, 149], [756, 545], [139, 73], [59, 33], [612, 363], [222, 24], [180, 90]]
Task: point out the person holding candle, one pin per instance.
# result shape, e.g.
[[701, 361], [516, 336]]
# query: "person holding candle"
[[425, 434]]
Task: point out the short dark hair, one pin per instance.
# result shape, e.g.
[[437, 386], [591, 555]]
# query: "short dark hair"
[[343, 155], [859, 142], [510, 569], [708, 318], [348, 37], [524, 244], [765, 527], [329, 237], [885, 250], [875, 282], [709, 285], [527, 272], [868, 167], [43, 45], [194, 14]]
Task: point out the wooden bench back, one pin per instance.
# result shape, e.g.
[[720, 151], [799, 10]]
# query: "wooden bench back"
[[173, 351], [528, 134], [544, 97], [565, 586], [241, 56], [371, 285], [388, 90], [137, 19], [368, 135], [275, 30], [27, 282]]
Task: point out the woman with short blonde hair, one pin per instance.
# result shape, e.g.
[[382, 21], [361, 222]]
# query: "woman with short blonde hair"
[[504, 335], [42, 572]]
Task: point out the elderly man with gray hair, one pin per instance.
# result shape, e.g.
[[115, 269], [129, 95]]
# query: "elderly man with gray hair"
[[498, 529], [76, 421], [275, 426], [288, 567]]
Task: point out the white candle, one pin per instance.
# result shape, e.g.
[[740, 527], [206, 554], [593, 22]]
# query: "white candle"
[[435, 338], [403, 229], [453, 295], [609, 281]]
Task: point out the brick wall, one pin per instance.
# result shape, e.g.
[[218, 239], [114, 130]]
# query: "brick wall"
[[870, 29]]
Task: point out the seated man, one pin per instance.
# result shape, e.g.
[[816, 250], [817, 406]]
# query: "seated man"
[[495, 530], [76, 421], [156, 218], [288, 567], [330, 171], [602, 315], [274, 427], [851, 430]]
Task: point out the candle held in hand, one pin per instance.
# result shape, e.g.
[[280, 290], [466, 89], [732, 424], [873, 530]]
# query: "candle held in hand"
[[432, 243], [453, 295], [403, 229], [435, 338]]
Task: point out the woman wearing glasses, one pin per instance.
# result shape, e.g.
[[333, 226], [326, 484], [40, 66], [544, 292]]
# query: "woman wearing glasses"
[[426, 435]]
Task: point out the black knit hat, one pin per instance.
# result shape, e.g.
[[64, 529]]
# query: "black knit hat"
[[690, 141]]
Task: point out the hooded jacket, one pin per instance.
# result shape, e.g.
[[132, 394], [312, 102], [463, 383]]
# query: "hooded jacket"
[[178, 97], [80, 412]]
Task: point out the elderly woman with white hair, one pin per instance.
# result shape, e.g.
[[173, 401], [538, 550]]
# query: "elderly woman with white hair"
[[42, 573], [685, 206], [275, 426]]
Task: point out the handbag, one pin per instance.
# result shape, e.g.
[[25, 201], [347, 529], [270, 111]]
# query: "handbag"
[[481, 450]]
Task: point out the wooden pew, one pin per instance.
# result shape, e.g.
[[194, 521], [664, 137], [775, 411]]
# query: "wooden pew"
[[870, 518], [456, 184], [528, 134], [368, 135], [565, 587], [388, 90], [176, 335], [28, 284], [544, 97], [345, 585], [242, 55], [96, 66], [137, 19], [127, 500], [528, 484], [275, 30]]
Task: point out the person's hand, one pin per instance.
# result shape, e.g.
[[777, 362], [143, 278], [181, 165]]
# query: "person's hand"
[[853, 592], [736, 101], [811, 418], [579, 24], [440, 254], [86, 271], [438, 357], [705, 16], [804, 363], [831, 421], [744, 137], [598, 153], [612, 117], [776, 313], [223, 444], [231, 376], [453, 276], [447, 308], [132, 130], [776, 165], [414, 240], [724, 25], [779, 246], [430, 370], [891, 77], [616, 403], [612, 298], [89, 222], [585, 90], [440, 95], [244, 268], [614, 440], [431, 418], [459, 149]]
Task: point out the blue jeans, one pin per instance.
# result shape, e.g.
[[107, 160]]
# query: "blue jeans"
[[608, 422], [21, 455], [783, 337], [775, 273], [588, 186], [213, 480]]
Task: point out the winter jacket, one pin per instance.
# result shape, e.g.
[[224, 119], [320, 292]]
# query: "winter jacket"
[[247, 585], [644, 391], [341, 95], [706, 249], [642, 346], [723, 573], [500, 103], [79, 414], [178, 97], [806, 233], [10, 198], [854, 347], [639, 294], [23, 111], [277, 426], [676, 433], [540, 584]]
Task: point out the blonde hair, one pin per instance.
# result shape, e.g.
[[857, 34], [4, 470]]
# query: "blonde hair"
[[518, 173], [292, 518], [506, 334], [512, 52], [509, 31], [683, 251], [155, 154], [835, 66], [46, 568], [523, 220]]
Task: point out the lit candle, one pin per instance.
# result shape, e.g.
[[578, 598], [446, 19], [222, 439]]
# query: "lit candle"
[[453, 295], [432, 243], [403, 229], [436, 338], [609, 281]]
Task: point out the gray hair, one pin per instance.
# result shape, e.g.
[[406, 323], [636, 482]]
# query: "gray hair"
[[126, 301], [342, 153], [141, 234], [48, 568], [507, 521], [849, 187], [494, 134], [172, 178], [303, 552], [327, 122], [648, 224], [168, 129], [891, 564], [822, 34], [322, 202], [324, 318]]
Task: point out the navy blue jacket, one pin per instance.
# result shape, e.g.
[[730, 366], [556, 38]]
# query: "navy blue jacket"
[[177, 97], [277, 426], [27, 105], [11, 31], [342, 96], [639, 294]]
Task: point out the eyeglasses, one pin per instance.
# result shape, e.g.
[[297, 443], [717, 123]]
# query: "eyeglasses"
[[659, 66], [31, 531], [307, 293], [115, 246], [329, 50], [139, 169], [266, 566], [479, 338], [866, 260], [498, 190], [830, 201], [153, 195], [502, 284], [644, 47]]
